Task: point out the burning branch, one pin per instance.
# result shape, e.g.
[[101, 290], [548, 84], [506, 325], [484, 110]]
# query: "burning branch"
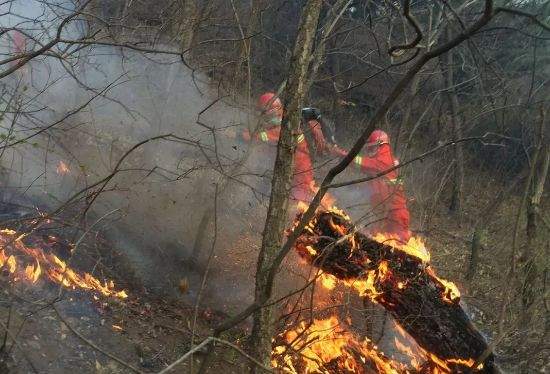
[[398, 277]]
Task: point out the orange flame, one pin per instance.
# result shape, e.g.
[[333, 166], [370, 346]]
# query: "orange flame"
[[311, 250], [12, 263], [302, 206], [328, 281], [407, 350], [32, 272], [309, 347], [324, 343], [62, 168], [414, 247], [451, 294], [55, 268]]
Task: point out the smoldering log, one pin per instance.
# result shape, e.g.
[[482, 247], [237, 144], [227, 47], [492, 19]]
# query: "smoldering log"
[[405, 285]]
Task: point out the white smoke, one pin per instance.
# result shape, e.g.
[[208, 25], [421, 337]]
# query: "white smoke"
[[164, 187]]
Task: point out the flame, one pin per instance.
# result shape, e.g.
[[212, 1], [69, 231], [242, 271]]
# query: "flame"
[[12, 264], [328, 281], [311, 250], [407, 350], [414, 247], [324, 346], [338, 228], [32, 272], [62, 168], [3, 258], [365, 287], [451, 294], [55, 269], [302, 206]]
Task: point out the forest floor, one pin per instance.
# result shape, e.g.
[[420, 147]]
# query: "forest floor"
[[58, 330], [482, 296], [55, 330]]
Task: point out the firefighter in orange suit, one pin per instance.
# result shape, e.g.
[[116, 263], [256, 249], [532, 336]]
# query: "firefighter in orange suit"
[[303, 187], [386, 193]]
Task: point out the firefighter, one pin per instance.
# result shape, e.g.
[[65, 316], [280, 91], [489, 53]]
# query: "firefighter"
[[387, 195], [304, 186]]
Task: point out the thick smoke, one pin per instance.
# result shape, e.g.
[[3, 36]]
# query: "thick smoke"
[[150, 210], [107, 100]]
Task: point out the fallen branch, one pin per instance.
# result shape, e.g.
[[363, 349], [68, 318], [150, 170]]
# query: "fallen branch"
[[400, 279]]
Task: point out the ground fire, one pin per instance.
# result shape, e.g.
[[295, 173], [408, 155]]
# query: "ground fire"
[[29, 262], [436, 334]]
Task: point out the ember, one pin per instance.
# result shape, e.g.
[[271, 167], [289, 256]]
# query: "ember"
[[49, 264], [62, 168]]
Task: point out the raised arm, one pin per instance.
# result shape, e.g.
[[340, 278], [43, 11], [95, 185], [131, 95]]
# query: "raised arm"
[[321, 143]]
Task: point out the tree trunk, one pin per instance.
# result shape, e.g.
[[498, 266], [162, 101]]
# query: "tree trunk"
[[255, 26], [297, 86], [187, 22], [484, 219], [456, 123], [397, 147], [541, 163], [474, 253]]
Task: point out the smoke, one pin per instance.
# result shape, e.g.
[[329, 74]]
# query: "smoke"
[[105, 100], [151, 208]]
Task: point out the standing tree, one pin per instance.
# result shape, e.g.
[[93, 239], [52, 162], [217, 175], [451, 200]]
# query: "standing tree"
[[295, 92], [447, 68]]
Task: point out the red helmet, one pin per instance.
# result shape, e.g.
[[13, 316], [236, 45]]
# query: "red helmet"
[[267, 98], [378, 137]]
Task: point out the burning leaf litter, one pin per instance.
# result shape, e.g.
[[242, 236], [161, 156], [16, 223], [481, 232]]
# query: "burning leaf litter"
[[324, 346], [15, 254]]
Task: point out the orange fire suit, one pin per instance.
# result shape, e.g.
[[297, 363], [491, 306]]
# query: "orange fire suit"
[[303, 184], [387, 195]]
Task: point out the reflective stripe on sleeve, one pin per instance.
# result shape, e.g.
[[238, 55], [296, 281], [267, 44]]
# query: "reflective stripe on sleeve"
[[395, 181]]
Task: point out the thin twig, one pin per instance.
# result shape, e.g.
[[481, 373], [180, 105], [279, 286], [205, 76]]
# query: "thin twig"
[[398, 49], [206, 271], [92, 344], [205, 343], [16, 343]]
